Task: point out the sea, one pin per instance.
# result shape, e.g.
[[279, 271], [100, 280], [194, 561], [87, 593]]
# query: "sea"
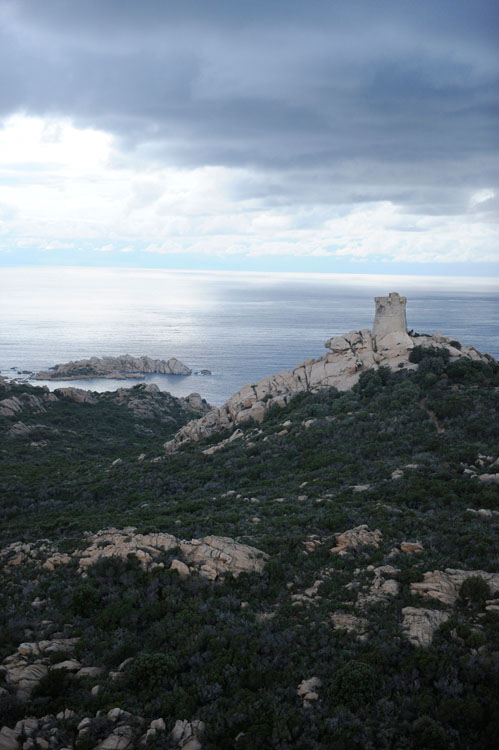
[[239, 326]]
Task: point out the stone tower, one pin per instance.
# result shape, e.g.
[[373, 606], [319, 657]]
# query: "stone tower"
[[390, 315]]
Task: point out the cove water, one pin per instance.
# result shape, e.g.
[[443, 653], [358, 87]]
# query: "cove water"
[[242, 327]]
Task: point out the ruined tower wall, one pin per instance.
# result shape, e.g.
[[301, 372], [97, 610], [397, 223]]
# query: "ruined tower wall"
[[390, 315]]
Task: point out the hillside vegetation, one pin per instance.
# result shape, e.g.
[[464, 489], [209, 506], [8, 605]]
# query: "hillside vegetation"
[[335, 638]]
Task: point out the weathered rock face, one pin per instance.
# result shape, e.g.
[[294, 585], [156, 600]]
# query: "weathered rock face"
[[144, 401], [420, 624], [10, 407], [444, 585], [382, 589], [388, 345], [149, 402], [350, 623], [352, 539], [212, 557], [215, 556], [185, 734], [24, 669], [121, 543], [308, 690], [113, 367]]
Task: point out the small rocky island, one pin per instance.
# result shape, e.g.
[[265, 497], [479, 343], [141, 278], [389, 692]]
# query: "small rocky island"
[[123, 367]]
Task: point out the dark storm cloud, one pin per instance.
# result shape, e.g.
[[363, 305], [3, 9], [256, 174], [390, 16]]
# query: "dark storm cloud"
[[331, 101]]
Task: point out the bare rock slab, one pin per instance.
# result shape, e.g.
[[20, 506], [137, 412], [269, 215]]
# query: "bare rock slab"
[[420, 624], [444, 585]]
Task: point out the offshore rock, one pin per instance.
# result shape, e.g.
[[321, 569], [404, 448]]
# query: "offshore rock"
[[124, 366], [388, 345]]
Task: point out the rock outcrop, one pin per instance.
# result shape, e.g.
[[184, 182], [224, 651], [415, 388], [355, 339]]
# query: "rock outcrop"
[[420, 624], [213, 557], [444, 585], [352, 539], [388, 344], [144, 401], [24, 669], [124, 366], [308, 690]]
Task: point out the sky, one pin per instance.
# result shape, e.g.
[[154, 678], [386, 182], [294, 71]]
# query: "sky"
[[326, 136]]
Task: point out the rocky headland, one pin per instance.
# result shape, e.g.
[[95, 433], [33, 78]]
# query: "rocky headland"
[[122, 367], [324, 573], [388, 344]]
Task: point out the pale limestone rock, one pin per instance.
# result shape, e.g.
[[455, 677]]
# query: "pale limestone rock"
[[307, 689], [212, 556], [28, 726], [181, 568], [19, 429], [354, 538], [158, 724], [186, 734], [118, 543], [350, 623], [444, 586], [10, 407], [78, 395], [118, 714], [221, 555], [411, 548], [55, 560], [24, 678], [484, 513], [8, 739], [69, 665], [236, 435], [382, 589], [90, 672], [113, 367], [489, 478], [420, 624], [394, 343], [121, 738], [66, 714]]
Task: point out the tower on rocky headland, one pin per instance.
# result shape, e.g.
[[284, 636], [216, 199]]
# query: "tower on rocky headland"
[[390, 315]]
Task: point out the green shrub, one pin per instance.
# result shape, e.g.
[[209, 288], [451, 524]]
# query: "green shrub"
[[474, 591], [354, 684], [429, 734], [84, 599], [151, 671]]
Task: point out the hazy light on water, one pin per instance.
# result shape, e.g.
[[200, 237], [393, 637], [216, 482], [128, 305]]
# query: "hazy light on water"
[[242, 326]]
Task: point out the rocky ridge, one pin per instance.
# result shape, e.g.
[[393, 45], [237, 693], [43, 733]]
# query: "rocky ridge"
[[144, 401], [212, 557], [124, 366], [388, 344]]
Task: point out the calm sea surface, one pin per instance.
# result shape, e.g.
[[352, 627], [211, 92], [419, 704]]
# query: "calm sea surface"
[[240, 326]]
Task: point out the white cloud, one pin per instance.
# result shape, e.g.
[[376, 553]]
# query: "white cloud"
[[64, 187]]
